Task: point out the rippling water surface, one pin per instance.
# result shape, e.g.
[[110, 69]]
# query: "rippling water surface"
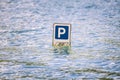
[[26, 51]]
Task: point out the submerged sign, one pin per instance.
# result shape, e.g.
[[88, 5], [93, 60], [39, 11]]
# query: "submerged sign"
[[61, 34]]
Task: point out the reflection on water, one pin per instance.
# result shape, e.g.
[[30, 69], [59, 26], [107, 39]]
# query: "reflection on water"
[[62, 50], [26, 51]]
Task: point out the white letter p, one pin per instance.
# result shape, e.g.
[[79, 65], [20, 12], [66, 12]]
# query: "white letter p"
[[59, 31]]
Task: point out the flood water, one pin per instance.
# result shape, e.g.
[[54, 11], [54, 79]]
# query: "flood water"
[[26, 51]]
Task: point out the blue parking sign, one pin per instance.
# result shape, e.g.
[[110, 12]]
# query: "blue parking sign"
[[62, 34]]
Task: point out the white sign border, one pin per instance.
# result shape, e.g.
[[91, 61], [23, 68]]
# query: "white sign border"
[[69, 36]]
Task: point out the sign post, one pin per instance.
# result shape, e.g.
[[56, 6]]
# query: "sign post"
[[61, 34]]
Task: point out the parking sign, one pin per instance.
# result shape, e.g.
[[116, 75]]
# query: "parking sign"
[[61, 34]]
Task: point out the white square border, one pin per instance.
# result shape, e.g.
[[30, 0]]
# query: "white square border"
[[56, 40]]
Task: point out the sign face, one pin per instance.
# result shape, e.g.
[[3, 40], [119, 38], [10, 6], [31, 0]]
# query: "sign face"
[[61, 34]]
